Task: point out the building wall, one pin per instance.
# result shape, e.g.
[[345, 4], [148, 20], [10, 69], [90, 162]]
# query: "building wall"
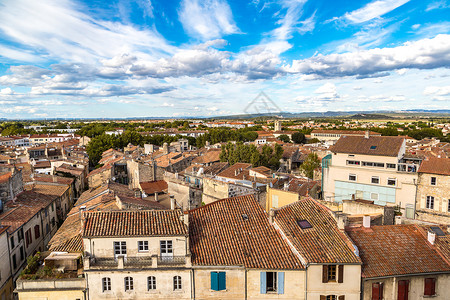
[[235, 283], [415, 290], [441, 194], [6, 290], [164, 284], [338, 187], [214, 190], [284, 198], [294, 285], [350, 287], [99, 178], [104, 247], [5, 267]]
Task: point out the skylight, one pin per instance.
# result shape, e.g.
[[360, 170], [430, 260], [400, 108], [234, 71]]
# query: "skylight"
[[373, 147], [304, 224], [437, 230], [245, 217]]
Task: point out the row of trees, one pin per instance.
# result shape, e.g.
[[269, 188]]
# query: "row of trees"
[[239, 152]]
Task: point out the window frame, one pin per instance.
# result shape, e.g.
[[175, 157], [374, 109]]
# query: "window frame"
[[120, 248], [332, 269], [350, 175], [391, 179], [274, 286], [373, 198], [128, 284], [376, 178], [143, 245], [433, 181], [432, 288], [177, 284], [429, 203], [106, 284], [151, 283]]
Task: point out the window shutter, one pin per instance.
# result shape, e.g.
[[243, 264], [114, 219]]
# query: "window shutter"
[[280, 282], [263, 283], [342, 297], [402, 290], [222, 281], [376, 291], [381, 285], [324, 273], [214, 281], [429, 287], [322, 297], [340, 273]]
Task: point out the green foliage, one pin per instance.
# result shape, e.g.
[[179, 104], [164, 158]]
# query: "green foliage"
[[311, 163], [48, 271], [284, 138], [298, 137], [220, 135], [268, 156]]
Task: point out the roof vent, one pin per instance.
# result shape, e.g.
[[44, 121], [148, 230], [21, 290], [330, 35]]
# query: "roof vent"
[[304, 224], [244, 217]]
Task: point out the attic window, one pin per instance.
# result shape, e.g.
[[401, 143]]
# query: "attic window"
[[304, 224], [373, 147], [244, 217], [437, 230]]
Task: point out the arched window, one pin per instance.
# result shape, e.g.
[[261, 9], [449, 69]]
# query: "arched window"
[[176, 283], [129, 284], [106, 284], [151, 283]]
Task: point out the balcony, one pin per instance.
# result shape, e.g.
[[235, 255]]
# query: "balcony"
[[408, 168], [171, 260]]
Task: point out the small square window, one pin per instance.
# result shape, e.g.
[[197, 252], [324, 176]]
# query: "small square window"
[[375, 180], [332, 273], [142, 246], [433, 180], [352, 177], [374, 196], [392, 181]]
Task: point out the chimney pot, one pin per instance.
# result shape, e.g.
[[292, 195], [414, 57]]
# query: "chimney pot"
[[431, 237], [367, 134], [366, 221]]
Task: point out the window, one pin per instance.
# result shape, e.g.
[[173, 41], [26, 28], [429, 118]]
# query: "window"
[[166, 249], [12, 242], [14, 261], [218, 281], [352, 177], [53, 207], [373, 147], [37, 232], [448, 208], [403, 287], [392, 181], [129, 284], [375, 180], [22, 253], [275, 201], [333, 273], [28, 238], [47, 228], [120, 248], [106, 284], [332, 297], [430, 287], [304, 224], [353, 162], [20, 234], [430, 202], [374, 196], [272, 282], [377, 291], [433, 181], [390, 166], [372, 164], [143, 246], [151, 283], [176, 283]]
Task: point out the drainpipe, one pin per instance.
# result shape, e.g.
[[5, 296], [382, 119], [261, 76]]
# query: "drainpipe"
[[192, 284], [306, 282], [416, 184], [245, 294]]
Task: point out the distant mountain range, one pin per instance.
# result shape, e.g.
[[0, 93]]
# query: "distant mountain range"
[[437, 113]]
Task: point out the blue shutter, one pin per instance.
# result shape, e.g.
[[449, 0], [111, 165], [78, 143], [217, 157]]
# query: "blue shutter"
[[214, 281], [222, 281], [263, 283], [280, 282]]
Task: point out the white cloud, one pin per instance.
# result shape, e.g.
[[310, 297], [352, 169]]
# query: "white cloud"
[[437, 90], [207, 19], [421, 54], [437, 5], [6, 91], [373, 10]]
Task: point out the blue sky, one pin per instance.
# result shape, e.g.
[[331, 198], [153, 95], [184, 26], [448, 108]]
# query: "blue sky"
[[149, 58]]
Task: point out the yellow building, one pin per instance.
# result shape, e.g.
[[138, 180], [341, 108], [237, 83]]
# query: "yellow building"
[[277, 198]]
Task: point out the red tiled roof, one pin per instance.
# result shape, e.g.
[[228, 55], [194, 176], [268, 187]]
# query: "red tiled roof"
[[5, 177], [238, 168], [48, 189], [396, 250], [324, 242], [435, 165], [219, 236], [374, 145], [212, 155], [152, 187], [134, 223], [346, 132]]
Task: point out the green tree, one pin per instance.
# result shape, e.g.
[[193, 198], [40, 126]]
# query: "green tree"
[[311, 163], [284, 138], [298, 137]]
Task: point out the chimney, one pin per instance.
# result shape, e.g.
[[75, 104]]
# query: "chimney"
[[82, 215], [366, 221], [367, 134], [156, 196], [431, 237], [186, 219], [398, 220], [271, 216], [172, 202]]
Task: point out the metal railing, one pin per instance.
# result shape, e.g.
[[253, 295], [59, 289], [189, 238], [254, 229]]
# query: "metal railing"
[[104, 262], [171, 260], [138, 261]]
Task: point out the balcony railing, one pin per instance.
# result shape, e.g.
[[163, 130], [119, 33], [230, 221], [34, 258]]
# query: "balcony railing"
[[171, 260], [104, 262], [409, 168]]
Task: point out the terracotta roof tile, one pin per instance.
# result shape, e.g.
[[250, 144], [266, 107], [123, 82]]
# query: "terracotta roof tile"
[[396, 250], [134, 223], [236, 171], [48, 189], [220, 236], [324, 242], [374, 145], [152, 187], [435, 165]]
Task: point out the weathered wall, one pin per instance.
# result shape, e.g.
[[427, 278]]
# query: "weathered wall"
[[235, 283]]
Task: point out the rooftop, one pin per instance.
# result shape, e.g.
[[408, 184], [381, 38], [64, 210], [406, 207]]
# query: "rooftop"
[[374, 145], [435, 165]]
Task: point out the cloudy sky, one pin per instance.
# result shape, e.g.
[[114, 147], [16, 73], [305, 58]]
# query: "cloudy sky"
[[143, 58]]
